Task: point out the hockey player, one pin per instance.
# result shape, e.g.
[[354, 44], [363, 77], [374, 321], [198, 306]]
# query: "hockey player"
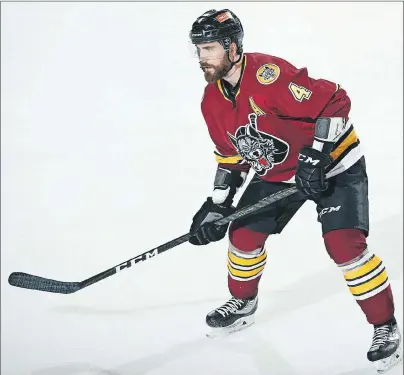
[[263, 113]]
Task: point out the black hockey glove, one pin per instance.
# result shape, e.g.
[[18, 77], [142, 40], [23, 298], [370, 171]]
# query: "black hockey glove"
[[310, 172], [203, 229]]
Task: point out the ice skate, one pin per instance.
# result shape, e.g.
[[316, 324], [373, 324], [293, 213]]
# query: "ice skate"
[[233, 316], [386, 350]]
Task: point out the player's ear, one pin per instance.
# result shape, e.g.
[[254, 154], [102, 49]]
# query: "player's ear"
[[233, 51]]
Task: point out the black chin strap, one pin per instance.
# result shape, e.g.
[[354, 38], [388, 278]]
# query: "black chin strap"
[[226, 45], [232, 63]]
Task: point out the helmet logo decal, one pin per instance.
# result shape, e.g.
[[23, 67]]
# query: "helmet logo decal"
[[260, 150], [268, 73], [223, 17]]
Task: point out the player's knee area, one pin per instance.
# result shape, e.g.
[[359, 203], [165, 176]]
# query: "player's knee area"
[[246, 240], [343, 245]]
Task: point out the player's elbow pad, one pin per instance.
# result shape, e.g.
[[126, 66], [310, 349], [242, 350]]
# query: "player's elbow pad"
[[329, 130], [226, 185]]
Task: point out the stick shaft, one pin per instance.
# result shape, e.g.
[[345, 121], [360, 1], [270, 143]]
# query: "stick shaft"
[[28, 281]]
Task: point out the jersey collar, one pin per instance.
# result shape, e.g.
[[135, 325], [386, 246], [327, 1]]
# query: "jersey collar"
[[230, 93]]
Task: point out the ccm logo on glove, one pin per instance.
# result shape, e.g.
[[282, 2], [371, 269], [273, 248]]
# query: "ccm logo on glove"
[[308, 159], [310, 172]]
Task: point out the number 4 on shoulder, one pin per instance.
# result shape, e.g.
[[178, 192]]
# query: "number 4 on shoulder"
[[299, 92]]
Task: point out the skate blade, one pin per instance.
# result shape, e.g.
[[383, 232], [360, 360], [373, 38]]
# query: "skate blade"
[[385, 364], [238, 325]]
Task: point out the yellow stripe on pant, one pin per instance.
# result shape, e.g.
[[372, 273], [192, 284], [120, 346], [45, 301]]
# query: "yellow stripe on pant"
[[365, 276], [245, 266]]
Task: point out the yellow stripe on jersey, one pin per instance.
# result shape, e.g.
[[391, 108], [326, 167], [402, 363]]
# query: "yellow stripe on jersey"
[[257, 110], [232, 159], [248, 267], [349, 139], [219, 85]]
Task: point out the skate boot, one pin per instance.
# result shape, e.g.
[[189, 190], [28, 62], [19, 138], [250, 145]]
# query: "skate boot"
[[235, 315], [385, 351]]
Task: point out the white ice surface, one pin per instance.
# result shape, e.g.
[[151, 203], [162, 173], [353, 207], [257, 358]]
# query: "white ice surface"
[[104, 154]]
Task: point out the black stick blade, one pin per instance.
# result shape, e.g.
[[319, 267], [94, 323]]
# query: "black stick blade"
[[27, 281]]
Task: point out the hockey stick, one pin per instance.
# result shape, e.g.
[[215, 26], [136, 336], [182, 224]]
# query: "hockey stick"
[[27, 281]]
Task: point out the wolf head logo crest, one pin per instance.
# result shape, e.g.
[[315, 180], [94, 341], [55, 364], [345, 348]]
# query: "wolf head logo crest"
[[261, 150]]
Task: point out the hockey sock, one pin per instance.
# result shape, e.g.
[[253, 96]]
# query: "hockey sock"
[[364, 273], [245, 270]]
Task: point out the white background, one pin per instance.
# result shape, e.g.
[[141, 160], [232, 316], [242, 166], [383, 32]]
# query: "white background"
[[104, 155]]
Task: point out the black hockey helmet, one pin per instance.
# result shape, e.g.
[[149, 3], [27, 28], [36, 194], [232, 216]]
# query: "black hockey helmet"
[[221, 26]]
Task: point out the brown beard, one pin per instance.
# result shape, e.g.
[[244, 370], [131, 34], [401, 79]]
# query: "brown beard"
[[218, 71]]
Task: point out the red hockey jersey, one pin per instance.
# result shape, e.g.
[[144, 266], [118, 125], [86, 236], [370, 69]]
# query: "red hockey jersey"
[[272, 116]]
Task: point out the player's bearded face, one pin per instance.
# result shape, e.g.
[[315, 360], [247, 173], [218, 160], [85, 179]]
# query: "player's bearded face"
[[213, 61], [215, 69]]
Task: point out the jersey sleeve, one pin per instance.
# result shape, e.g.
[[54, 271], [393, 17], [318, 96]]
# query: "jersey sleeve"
[[296, 95], [225, 156]]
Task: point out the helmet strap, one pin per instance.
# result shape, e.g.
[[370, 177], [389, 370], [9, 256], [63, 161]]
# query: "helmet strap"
[[226, 45], [232, 63]]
